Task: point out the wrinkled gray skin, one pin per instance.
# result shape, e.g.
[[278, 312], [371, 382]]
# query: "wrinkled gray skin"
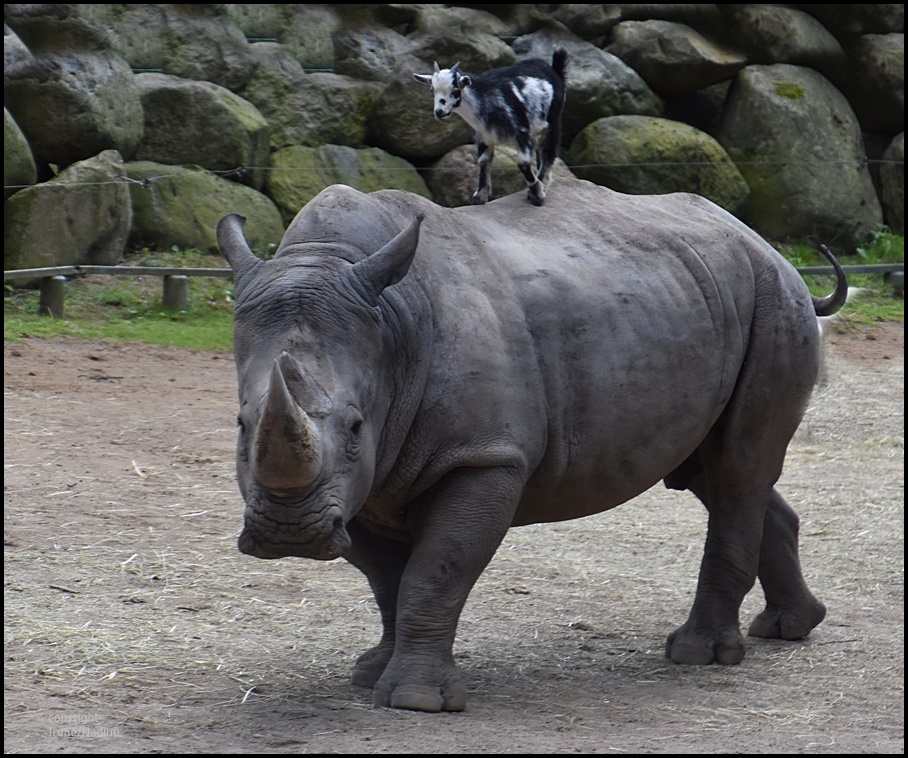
[[415, 380]]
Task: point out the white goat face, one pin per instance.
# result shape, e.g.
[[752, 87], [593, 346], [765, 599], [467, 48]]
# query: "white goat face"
[[447, 87]]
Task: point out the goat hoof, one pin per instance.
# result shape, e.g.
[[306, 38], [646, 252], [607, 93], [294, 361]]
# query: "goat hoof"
[[536, 200], [477, 200]]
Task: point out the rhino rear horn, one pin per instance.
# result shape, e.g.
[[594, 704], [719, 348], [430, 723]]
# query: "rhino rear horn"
[[389, 264], [287, 452], [233, 246]]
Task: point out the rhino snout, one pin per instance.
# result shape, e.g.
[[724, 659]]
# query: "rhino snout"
[[264, 536]]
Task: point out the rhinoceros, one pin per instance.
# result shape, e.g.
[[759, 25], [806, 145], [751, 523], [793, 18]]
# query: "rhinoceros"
[[415, 380]]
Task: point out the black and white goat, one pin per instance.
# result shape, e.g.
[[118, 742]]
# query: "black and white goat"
[[520, 104]]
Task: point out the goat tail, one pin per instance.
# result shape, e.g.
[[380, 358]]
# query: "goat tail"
[[559, 62]]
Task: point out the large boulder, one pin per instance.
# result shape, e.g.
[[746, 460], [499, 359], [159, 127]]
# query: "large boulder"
[[299, 173], [450, 35], [453, 179], [850, 20], [375, 53], [18, 163], [892, 178], [433, 18], [82, 216], [180, 205], [74, 96], [203, 124], [308, 109], [599, 84], [642, 155], [591, 21], [798, 145], [674, 59], [703, 17], [305, 30], [778, 34], [14, 49], [190, 41]]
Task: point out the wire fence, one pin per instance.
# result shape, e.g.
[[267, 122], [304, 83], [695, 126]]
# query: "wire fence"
[[239, 171]]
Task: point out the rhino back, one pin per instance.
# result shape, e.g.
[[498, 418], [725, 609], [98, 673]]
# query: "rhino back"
[[592, 342]]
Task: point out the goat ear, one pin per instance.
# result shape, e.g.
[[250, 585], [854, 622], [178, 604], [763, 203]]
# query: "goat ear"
[[424, 78], [463, 81]]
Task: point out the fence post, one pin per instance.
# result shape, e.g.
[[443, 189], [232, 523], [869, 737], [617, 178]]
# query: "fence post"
[[50, 301], [176, 293]]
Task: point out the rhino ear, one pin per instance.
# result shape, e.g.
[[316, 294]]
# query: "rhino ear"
[[234, 247], [387, 265]]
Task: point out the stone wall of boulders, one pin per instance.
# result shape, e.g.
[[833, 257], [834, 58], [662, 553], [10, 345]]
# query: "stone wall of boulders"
[[129, 126]]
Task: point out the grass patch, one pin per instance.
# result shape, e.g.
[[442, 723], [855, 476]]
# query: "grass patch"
[[129, 308]]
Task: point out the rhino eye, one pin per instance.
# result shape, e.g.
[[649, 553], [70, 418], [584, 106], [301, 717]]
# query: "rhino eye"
[[355, 427], [241, 439]]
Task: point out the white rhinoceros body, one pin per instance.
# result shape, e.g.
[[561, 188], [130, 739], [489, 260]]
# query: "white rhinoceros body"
[[414, 380]]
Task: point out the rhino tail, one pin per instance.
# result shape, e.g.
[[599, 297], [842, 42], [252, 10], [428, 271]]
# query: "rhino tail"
[[831, 304]]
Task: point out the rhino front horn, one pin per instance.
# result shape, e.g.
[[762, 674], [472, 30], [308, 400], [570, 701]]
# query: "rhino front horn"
[[287, 452]]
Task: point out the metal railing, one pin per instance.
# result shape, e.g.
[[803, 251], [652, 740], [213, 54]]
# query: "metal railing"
[[176, 284], [175, 295]]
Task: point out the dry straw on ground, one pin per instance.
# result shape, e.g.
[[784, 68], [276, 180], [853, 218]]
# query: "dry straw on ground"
[[132, 624]]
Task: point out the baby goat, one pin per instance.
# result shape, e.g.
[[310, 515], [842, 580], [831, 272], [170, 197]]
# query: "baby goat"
[[520, 104]]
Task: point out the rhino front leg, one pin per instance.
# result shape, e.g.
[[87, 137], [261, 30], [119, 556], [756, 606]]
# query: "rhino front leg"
[[382, 560], [458, 527], [791, 608]]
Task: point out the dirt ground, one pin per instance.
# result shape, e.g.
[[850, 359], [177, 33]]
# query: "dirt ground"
[[133, 625]]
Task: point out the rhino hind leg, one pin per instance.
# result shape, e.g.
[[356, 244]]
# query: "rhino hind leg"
[[727, 572], [791, 612], [752, 531], [791, 608]]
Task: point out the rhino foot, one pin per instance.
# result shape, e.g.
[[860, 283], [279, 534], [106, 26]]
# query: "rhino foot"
[[371, 665], [449, 694], [787, 623], [696, 647]]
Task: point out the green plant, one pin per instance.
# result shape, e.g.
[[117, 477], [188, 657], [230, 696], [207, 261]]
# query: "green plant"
[[883, 246]]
